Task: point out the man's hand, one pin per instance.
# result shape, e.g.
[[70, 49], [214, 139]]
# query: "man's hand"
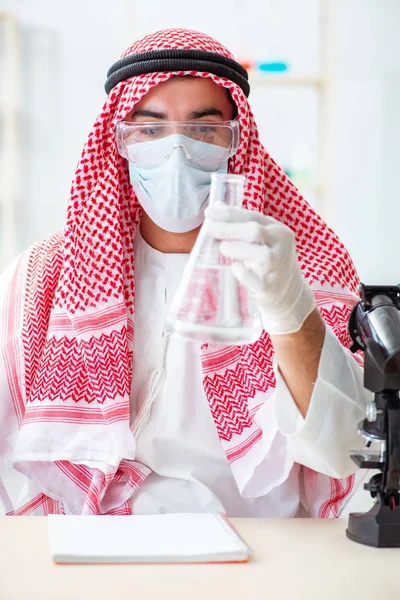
[[266, 264]]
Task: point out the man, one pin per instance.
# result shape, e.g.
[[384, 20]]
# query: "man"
[[100, 410]]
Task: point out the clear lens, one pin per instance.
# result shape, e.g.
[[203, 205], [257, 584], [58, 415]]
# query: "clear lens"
[[150, 144], [209, 133]]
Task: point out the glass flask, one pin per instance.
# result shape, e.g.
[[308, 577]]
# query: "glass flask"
[[210, 304]]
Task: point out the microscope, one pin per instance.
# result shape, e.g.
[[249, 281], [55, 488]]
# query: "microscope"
[[374, 327]]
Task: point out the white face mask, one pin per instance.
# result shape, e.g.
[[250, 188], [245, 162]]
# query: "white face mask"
[[175, 194]]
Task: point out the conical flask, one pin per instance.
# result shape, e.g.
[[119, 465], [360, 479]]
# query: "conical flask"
[[210, 304]]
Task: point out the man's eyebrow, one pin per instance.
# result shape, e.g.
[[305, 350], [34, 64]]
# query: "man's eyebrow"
[[196, 114], [206, 112], [149, 113]]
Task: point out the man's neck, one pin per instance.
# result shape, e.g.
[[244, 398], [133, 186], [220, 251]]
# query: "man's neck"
[[165, 241]]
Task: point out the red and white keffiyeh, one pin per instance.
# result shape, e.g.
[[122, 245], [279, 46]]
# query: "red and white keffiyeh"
[[68, 339]]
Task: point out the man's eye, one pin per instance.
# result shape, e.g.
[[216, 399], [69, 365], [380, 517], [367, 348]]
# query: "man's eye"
[[149, 132], [144, 134], [206, 130]]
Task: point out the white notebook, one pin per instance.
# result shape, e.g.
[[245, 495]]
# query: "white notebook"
[[173, 538]]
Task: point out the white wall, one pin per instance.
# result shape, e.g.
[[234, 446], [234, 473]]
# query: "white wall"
[[368, 133], [66, 49]]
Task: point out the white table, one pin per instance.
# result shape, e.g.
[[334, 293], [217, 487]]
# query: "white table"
[[294, 559]]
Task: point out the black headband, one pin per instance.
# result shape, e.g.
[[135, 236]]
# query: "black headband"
[[178, 59]]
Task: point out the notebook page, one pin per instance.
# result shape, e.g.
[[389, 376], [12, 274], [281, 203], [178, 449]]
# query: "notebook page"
[[145, 536]]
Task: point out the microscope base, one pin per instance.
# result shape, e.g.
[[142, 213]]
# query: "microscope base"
[[379, 527]]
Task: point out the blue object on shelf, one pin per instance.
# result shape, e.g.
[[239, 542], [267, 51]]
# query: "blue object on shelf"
[[273, 67]]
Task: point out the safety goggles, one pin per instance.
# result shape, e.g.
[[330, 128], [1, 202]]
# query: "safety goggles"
[[203, 143]]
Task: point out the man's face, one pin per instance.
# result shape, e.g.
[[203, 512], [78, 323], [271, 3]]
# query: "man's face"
[[184, 99]]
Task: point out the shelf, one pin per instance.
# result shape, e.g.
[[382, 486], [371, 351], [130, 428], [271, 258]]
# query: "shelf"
[[257, 78], [6, 16], [7, 108]]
